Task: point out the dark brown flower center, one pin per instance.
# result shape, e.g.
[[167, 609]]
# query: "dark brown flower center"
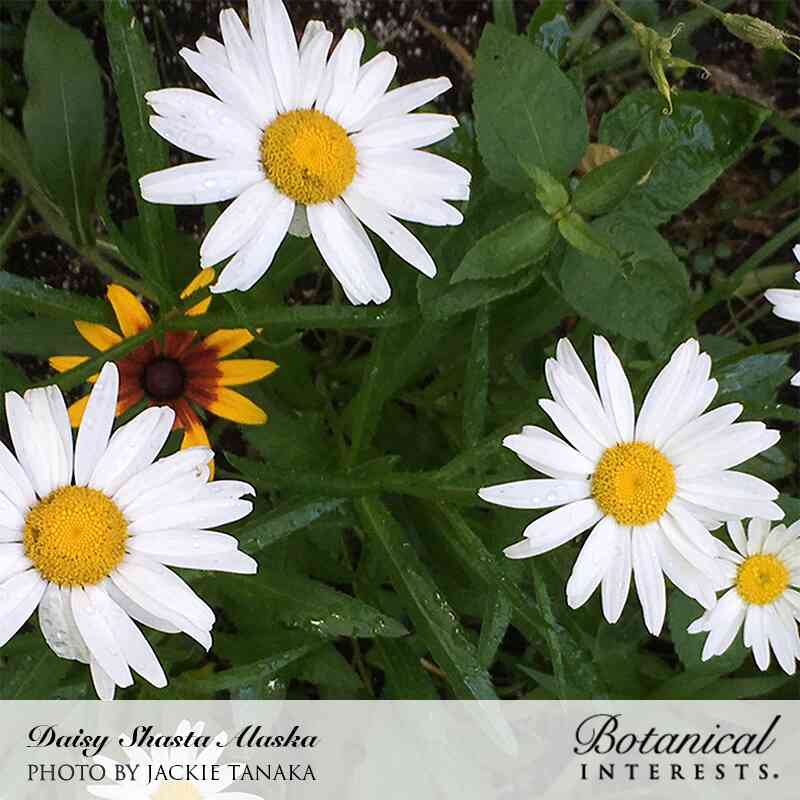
[[164, 379]]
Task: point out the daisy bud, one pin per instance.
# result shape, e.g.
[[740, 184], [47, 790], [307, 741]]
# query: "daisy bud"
[[758, 33]]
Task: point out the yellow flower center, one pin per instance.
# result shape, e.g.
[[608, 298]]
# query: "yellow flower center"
[[75, 536], [633, 483], [761, 579], [177, 790], [308, 156]]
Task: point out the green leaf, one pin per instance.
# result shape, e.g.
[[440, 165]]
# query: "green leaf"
[[503, 14], [643, 297], [30, 295], [64, 116], [433, 617], [509, 248], [589, 240], [550, 30], [549, 191], [134, 71], [496, 619], [315, 607], [546, 11], [41, 337], [681, 612], [476, 380], [704, 136], [527, 110], [605, 187], [754, 380]]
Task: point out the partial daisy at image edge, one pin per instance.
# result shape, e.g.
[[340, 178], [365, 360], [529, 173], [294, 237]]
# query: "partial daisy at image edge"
[[650, 487], [760, 582], [185, 757], [88, 532], [305, 143], [786, 304]]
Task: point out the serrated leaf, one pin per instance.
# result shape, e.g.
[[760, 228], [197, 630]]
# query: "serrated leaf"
[[704, 135], [64, 116], [605, 187], [642, 298], [520, 243], [588, 240], [526, 110]]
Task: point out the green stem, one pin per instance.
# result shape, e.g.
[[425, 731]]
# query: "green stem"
[[18, 214], [758, 349]]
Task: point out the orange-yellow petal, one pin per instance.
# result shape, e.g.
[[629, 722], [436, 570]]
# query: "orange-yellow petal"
[[76, 411], [238, 371], [98, 336], [201, 280], [66, 363], [195, 434], [236, 407], [130, 313], [228, 341]]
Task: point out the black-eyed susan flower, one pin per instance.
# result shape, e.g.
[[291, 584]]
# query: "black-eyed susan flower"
[[87, 532], [651, 487], [305, 143], [760, 579], [183, 370]]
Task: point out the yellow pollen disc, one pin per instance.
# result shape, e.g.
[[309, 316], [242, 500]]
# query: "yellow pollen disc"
[[633, 483], [308, 156], [177, 790], [75, 536], [761, 579]]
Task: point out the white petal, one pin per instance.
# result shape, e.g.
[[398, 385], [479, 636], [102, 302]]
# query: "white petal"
[[694, 434], [282, 50], [726, 619], [757, 532], [407, 98], [200, 512], [19, 596], [211, 142], [755, 635], [615, 391], [547, 453], [10, 534], [373, 81], [256, 256], [557, 527], [239, 223], [103, 683], [348, 252], [726, 503], [617, 580], [779, 537], [696, 536], [181, 489], [568, 358], [98, 419], [201, 181], [137, 612], [14, 483], [341, 74], [736, 532], [429, 173], [163, 471], [89, 605], [412, 130], [649, 578], [685, 575], [577, 435], [11, 517], [58, 625], [593, 561], [398, 237], [213, 50], [13, 560], [537, 493], [229, 88], [781, 639], [312, 66], [310, 32], [132, 448]]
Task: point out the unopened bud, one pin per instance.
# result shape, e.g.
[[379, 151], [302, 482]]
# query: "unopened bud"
[[758, 33]]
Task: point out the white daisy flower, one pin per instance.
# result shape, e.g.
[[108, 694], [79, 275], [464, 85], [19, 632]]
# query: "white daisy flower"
[[651, 488], [759, 579], [305, 143], [787, 304], [92, 553], [192, 766]]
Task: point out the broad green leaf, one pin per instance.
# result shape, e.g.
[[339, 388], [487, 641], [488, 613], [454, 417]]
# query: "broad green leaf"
[[754, 380], [42, 337], [588, 240], [433, 617], [134, 72], [526, 109], [606, 186], [35, 296], [315, 607], [704, 136], [30, 670], [476, 380], [681, 612], [643, 297], [509, 248], [64, 116], [503, 14]]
